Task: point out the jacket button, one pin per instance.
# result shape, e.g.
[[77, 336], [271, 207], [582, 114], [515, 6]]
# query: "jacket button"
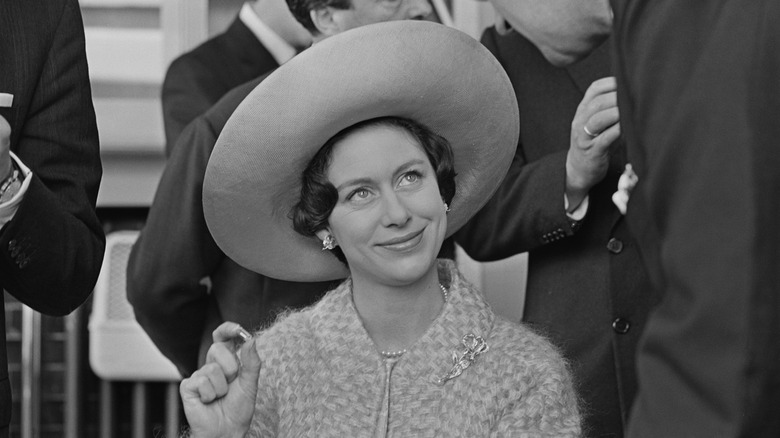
[[621, 325], [11, 244], [615, 246]]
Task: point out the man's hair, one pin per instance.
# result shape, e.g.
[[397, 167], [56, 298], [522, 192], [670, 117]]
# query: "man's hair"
[[301, 10]]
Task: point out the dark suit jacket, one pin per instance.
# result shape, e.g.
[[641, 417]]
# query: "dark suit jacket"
[[175, 253], [199, 78], [700, 109], [586, 287], [51, 251]]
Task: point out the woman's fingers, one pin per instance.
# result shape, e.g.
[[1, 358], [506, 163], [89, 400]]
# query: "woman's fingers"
[[206, 384], [222, 354], [228, 331], [228, 338]]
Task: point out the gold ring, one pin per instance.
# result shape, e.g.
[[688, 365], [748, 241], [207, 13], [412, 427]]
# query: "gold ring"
[[585, 127]]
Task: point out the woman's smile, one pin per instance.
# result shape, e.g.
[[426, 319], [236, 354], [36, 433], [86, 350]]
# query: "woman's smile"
[[403, 243]]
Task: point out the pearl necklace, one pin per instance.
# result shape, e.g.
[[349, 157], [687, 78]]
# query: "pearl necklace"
[[399, 353]]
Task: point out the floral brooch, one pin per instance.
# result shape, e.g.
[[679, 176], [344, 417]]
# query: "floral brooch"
[[473, 346]]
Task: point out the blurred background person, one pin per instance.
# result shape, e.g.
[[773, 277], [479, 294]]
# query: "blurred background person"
[[50, 237], [699, 124], [181, 285], [263, 36], [587, 289], [700, 97]]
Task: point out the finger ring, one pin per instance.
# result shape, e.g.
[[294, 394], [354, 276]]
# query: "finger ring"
[[585, 127]]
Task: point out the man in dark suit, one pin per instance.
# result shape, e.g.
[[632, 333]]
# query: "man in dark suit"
[[181, 285], [698, 99], [700, 104], [263, 36], [51, 241], [587, 289]]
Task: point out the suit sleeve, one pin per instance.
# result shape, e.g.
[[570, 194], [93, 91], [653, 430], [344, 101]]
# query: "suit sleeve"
[[175, 252], [53, 247], [527, 210], [185, 96]]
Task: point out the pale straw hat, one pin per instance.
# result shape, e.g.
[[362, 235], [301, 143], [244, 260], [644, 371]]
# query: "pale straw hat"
[[420, 70]]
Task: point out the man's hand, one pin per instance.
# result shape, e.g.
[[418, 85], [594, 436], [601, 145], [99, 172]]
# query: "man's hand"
[[595, 127], [5, 149], [219, 398]]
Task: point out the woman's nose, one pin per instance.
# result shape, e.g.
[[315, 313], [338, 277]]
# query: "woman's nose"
[[396, 213]]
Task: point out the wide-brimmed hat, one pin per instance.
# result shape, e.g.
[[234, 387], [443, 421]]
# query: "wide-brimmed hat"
[[424, 71]]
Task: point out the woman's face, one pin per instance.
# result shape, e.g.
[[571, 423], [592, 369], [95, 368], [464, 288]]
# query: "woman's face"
[[389, 219]]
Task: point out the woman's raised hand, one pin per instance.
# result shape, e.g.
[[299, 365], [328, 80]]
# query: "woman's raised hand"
[[219, 398]]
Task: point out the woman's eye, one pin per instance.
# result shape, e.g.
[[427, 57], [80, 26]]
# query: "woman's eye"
[[359, 194], [409, 178]]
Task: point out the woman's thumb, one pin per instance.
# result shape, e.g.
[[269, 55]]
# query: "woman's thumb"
[[250, 369]]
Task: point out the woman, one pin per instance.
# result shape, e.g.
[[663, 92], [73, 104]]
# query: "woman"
[[404, 346]]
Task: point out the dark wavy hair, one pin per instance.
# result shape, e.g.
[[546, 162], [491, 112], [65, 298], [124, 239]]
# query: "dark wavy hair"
[[301, 10], [319, 196]]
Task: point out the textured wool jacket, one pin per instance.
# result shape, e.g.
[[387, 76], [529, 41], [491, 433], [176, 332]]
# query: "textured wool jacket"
[[323, 376]]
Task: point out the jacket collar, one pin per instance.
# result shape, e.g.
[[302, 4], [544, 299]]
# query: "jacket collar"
[[339, 332]]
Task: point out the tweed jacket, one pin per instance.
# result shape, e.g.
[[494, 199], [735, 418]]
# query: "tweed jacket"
[[51, 251], [322, 376]]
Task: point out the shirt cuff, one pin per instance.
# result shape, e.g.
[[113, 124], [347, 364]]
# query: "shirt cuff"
[[578, 212], [8, 208]]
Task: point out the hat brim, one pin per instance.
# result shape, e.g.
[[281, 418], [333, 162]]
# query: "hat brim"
[[424, 71]]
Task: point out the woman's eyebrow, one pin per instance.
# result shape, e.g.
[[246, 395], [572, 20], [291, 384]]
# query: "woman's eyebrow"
[[407, 165], [354, 182]]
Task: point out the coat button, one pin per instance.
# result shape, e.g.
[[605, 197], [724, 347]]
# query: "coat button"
[[11, 244], [615, 246], [621, 325]]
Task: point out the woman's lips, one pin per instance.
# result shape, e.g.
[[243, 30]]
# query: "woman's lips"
[[404, 242]]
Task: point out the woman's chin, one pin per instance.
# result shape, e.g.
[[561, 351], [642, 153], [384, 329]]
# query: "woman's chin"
[[412, 269]]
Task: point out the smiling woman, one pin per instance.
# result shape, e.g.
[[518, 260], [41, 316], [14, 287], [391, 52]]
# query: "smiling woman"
[[362, 161], [430, 162]]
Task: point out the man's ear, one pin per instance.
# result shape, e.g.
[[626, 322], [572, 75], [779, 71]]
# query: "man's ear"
[[325, 21]]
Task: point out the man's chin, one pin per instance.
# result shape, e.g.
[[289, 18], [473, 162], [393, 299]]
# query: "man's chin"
[[561, 58]]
